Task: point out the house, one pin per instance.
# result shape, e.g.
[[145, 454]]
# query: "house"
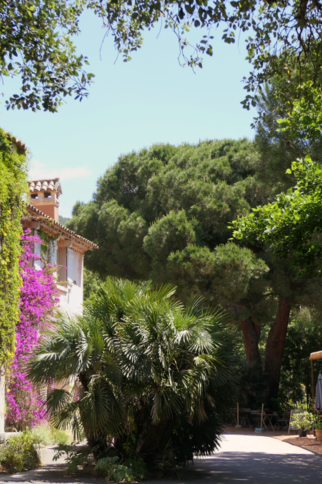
[[64, 247]]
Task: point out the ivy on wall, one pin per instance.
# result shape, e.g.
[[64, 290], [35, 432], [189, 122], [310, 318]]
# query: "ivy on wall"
[[13, 188]]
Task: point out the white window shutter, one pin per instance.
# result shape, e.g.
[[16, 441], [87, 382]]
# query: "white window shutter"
[[37, 263], [53, 253], [70, 265]]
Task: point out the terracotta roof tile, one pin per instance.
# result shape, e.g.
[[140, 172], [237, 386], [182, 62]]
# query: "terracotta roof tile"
[[62, 228], [45, 185]]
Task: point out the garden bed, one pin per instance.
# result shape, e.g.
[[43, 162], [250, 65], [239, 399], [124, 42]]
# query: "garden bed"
[[308, 443]]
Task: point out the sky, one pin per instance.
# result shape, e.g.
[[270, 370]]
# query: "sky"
[[131, 106]]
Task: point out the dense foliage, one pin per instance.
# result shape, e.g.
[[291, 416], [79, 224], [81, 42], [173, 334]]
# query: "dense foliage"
[[38, 296], [163, 214], [278, 143], [291, 224], [47, 435], [92, 282], [159, 201], [303, 117], [19, 453], [304, 337], [155, 375], [36, 44], [13, 186], [63, 220]]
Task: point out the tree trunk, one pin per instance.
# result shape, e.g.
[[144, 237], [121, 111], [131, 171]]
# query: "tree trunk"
[[275, 347], [251, 333], [152, 436]]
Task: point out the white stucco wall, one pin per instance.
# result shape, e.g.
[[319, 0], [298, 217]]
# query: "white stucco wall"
[[71, 287], [71, 296], [71, 299]]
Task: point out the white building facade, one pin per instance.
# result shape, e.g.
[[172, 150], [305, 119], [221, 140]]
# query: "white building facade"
[[66, 249]]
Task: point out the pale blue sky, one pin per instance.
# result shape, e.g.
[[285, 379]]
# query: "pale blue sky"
[[131, 106]]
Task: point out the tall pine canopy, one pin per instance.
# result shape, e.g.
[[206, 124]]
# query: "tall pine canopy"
[[163, 214], [163, 199]]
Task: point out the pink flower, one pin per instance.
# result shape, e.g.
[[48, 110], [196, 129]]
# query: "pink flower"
[[38, 297]]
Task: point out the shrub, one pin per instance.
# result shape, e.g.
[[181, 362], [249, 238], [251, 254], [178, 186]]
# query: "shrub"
[[137, 466], [112, 471], [142, 361], [46, 435], [303, 421], [60, 437], [318, 423], [43, 434], [20, 453]]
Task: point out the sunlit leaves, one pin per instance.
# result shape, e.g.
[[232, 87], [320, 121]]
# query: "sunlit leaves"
[[36, 40], [35, 44], [293, 222]]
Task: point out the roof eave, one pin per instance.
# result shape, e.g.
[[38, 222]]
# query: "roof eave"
[[78, 238]]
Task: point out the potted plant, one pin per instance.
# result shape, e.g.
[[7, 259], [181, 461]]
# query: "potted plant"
[[303, 422], [318, 428]]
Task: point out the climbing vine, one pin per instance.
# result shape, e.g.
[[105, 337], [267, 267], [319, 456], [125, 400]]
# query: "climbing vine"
[[13, 189], [46, 241]]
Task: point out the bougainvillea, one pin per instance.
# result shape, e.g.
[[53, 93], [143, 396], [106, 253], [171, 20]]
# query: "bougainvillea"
[[38, 297]]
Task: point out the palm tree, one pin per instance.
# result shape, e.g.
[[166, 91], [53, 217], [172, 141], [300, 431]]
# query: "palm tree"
[[144, 367]]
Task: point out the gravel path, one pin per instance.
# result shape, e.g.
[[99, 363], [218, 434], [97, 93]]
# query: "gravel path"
[[246, 459]]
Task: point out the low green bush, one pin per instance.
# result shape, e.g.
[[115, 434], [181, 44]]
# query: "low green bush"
[[108, 466], [318, 422], [60, 437], [137, 466], [112, 471], [47, 435], [20, 453], [303, 421], [43, 434]]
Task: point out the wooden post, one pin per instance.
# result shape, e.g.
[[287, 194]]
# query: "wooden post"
[[237, 426], [262, 417], [312, 382], [289, 424]]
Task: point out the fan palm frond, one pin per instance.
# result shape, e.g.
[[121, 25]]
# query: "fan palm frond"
[[141, 362]]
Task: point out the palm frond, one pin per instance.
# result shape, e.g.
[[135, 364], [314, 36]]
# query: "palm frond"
[[138, 359]]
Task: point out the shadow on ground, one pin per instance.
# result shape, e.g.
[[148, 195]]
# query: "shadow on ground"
[[248, 459], [258, 467]]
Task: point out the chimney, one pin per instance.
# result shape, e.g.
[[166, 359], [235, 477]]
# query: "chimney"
[[44, 195]]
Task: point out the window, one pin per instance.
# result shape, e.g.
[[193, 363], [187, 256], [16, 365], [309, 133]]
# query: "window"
[[51, 255], [37, 251], [62, 262], [70, 264]]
